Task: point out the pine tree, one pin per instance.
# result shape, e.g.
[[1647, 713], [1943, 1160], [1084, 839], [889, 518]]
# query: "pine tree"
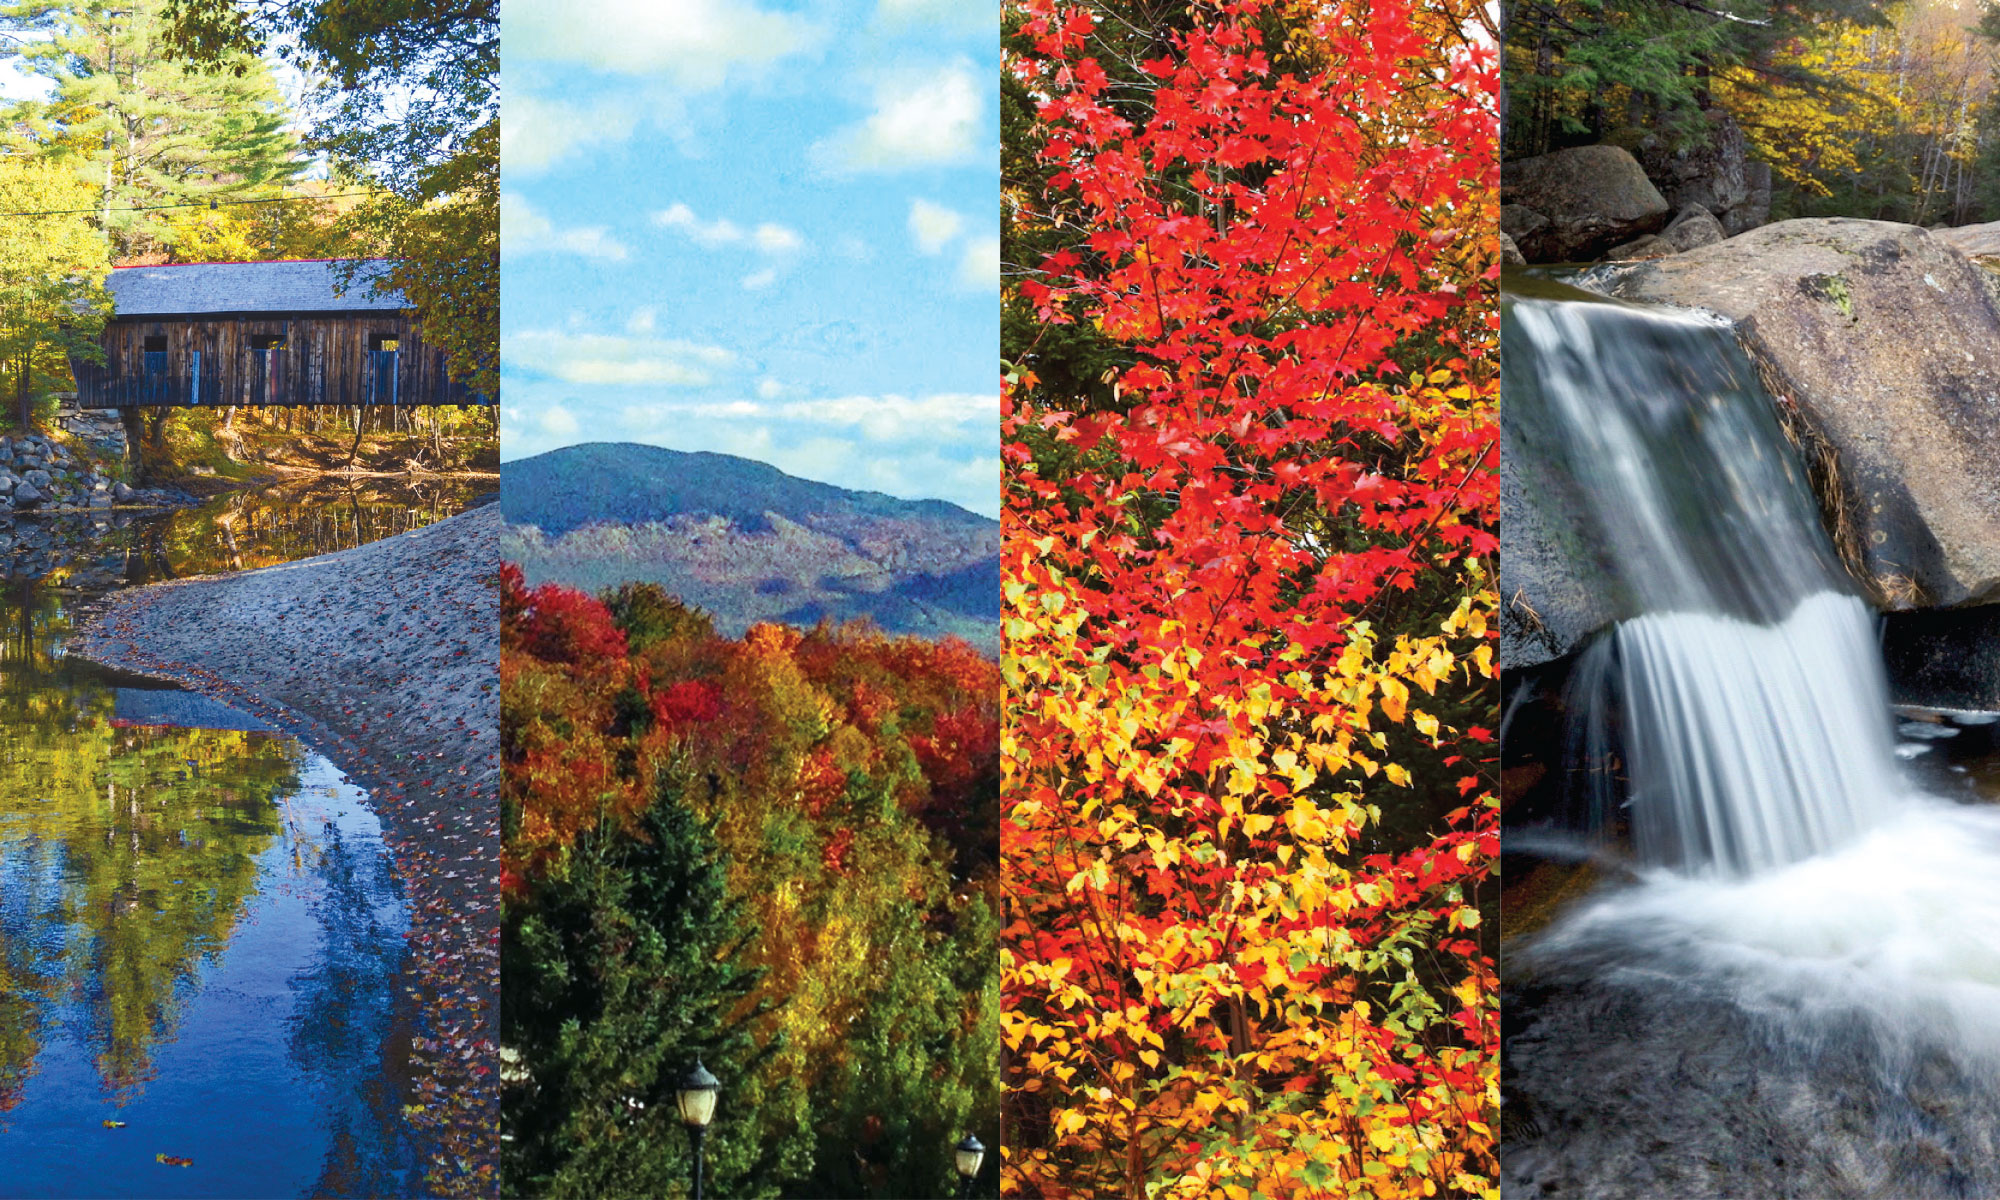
[[130, 118], [619, 971]]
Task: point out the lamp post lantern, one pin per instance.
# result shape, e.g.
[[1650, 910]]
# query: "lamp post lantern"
[[966, 1157], [696, 1096]]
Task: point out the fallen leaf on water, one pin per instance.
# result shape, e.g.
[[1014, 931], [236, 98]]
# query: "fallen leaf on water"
[[174, 1160], [114, 1124]]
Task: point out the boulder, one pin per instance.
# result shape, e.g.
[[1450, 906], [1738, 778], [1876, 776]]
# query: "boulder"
[[1882, 346], [1694, 228], [1975, 240], [1981, 243], [1944, 659], [26, 494], [1593, 198], [1510, 254], [1520, 223], [122, 492], [1716, 173], [38, 478], [1640, 248], [1555, 587]]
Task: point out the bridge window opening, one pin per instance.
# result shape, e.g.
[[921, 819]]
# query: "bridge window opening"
[[267, 341], [382, 342], [155, 348]]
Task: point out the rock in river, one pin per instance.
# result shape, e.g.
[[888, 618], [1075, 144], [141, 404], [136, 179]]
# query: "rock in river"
[[1572, 205], [1882, 344]]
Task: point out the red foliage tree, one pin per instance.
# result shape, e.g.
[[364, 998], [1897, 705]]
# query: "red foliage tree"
[[1246, 605]]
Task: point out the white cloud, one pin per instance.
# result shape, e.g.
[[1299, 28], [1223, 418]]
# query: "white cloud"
[[933, 225], [642, 320], [919, 120], [695, 43], [721, 232], [776, 239], [759, 280], [769, 388], [557, 421], [524, 230], [979, 267], [536, 133], [947, 416], [608, 359], [769, 237]]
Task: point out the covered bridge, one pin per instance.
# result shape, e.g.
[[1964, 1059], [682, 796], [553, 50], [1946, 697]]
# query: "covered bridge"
[[279, 333]]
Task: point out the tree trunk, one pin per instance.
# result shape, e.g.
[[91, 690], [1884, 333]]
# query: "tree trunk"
[[360, 425], [133, 419]]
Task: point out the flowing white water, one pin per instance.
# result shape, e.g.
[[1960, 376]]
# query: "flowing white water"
[[1901, 925], [1745, 700], [1801, 995], [1753, 746]]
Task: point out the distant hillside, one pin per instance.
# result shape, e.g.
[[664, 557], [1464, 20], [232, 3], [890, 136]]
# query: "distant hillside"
[[747, 542]]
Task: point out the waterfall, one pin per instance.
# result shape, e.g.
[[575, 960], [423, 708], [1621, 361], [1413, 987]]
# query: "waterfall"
[[1744, 697], [1798, 991]]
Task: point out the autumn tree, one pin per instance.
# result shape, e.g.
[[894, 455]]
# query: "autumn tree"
[[1900, 136], [1583, 70], [133, 120], [1248, 442], [409, 101], [829, 766], [52, 268]]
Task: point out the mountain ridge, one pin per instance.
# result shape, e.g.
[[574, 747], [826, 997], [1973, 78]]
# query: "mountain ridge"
[[747, 542]]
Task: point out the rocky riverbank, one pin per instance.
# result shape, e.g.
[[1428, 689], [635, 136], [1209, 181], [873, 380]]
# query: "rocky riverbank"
[[385, 659], [37, 474]]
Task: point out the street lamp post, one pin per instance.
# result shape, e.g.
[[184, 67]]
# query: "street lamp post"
[[696, 1097], [966, 1157]]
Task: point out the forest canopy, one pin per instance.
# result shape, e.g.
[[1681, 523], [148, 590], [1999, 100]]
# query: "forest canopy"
[[776, 854], [1886, 109]]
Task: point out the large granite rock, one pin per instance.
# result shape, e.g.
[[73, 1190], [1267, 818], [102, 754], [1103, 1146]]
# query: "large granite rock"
[[1588, 199], [1883, 344], [1694, 228], [1974, 241], [1718, 174], [1946, 659], [1650, 245]]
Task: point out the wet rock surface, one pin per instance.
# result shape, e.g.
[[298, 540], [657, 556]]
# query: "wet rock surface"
[[1621, 1084], [1945, 660], [1883, 342]]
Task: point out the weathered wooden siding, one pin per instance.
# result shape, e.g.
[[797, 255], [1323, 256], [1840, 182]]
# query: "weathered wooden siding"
[[324, 360]]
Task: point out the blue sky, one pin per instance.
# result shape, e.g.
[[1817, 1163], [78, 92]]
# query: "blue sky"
[[756, 228]]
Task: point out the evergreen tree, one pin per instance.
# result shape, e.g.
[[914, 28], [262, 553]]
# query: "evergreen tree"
[[916, 1074], [132, 119], [619, 970], [408, 98]]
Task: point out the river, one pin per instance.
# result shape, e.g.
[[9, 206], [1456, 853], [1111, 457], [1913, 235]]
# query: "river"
[[1782, 974], [201, 932]]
